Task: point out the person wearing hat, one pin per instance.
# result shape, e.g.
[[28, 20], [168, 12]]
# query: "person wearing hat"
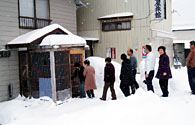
[[190, 63]]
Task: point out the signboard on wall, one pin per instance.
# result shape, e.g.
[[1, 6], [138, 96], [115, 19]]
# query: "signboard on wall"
[[144, 54], [111, 52], [159, 9]]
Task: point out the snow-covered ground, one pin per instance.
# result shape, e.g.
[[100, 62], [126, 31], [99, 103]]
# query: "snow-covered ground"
[[143, 108]]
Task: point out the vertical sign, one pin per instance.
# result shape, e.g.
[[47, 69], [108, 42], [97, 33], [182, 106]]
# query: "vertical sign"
[[159, 9], [111, 52], [144, 52]]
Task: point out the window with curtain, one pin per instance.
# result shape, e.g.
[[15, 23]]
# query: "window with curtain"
[[34, 14], [116, 25]]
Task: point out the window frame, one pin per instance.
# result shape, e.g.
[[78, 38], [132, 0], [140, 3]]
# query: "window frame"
[[35, 19], [103, 23]]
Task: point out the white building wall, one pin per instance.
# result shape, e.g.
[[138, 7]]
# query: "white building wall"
[[9, 73], [139, 35]]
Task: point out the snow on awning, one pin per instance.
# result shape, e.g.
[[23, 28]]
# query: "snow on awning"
[[66, 40], [183, 27], [36, 34], [116, 15], [186, 43], [162, 34], [90, 39]]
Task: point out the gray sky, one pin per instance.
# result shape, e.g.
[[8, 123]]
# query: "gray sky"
[[184, 12]]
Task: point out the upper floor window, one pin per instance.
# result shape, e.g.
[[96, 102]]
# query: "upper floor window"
[[34, 14], [160, 9], [116, 26]]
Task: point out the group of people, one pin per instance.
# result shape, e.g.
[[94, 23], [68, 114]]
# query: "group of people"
[[128, 84], [86, 76]]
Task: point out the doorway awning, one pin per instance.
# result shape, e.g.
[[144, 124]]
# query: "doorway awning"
[[93, 39], [49, 35], [185, 42], [117, 15]]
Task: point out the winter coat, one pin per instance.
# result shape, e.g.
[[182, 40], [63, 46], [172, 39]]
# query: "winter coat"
[[79, 72], [126, 73], [190, 61], [164, 67], [89, 74], [109, 73]]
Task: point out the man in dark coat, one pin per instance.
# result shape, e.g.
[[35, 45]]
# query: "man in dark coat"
[[79, 73], [164, 71], [126, 75], [109, 78]]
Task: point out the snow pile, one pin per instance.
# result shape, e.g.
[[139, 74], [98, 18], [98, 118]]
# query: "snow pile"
[[143, 108], [55, 40], [117, 15]]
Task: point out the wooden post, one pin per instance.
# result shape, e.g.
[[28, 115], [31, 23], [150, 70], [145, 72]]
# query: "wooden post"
[[53, 78]]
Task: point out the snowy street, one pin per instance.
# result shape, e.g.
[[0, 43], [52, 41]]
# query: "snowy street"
[[143, 108]]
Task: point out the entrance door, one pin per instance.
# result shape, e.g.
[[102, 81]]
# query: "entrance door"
[[76, 56], [24, 73]]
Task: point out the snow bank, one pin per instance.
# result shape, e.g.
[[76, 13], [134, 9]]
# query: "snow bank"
[[143, 108], [99, 63]]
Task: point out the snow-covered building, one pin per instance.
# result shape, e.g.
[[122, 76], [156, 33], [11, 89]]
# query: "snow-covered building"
[[183, 27], [181, 44], [21, 16], [46, 60], [123, 24]]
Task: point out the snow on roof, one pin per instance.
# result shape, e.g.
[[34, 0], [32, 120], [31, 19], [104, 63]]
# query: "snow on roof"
[[90, 38], [164, 34], [35, 34], [54, 40], [186, 43], [117, 15], [184, 27]]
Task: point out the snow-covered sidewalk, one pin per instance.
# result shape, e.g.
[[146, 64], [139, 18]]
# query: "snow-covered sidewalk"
[[143, 108]]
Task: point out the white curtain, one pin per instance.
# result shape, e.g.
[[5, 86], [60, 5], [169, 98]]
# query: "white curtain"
[[27, 8], [42, 9]]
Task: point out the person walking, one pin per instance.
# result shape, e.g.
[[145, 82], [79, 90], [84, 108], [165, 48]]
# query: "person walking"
[[190, 63], [149, 67], [109, 79], [79, 73], [126, 75], [133, 61], [164, 71], [90, 83]]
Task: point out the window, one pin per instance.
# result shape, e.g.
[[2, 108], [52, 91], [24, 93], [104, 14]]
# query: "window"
[[116, 26], [34, 14], [160, 9]]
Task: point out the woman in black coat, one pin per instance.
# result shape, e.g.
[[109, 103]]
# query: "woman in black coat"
[[126, 76], [164, 71]]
